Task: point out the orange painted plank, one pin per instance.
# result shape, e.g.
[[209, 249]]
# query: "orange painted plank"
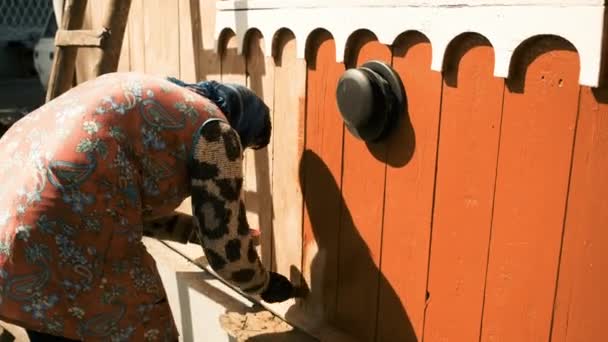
[[258, 179], [531, 189], [361, 224], [410, 179], [466, 172], [320, 177], [582, 303]]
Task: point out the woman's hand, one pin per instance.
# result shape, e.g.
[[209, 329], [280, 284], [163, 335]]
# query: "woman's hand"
[[279, 289]]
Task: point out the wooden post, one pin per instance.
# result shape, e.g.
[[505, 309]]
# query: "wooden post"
[[62, 72], [115, 21]]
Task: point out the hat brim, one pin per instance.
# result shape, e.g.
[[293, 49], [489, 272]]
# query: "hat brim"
[[377, 127]]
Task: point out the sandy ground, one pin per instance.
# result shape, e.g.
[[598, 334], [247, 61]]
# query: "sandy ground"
[[260, 326]]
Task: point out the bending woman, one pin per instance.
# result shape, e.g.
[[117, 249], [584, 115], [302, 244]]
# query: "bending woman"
[[85, 172]]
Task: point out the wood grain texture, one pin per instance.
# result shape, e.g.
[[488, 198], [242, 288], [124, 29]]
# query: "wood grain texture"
[[531, 189], [320, 178], [136, 36], [161, 37], [582, 303], [361, 217], [258, 179], [466, 173], [116, 15], [410, 179], [93, 18], [209, 61], [93, 61], [233, 65], [80, 38], [187, 57], [289, 97], [124, 62]]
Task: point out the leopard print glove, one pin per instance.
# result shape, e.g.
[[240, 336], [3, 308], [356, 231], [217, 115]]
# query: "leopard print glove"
[[218, 209], [279, 289]]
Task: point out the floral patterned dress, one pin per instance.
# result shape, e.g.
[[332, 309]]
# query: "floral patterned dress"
[[79, 175]]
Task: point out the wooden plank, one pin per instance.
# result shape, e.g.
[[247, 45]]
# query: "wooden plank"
[[209, 61], [161, 37], [531, 189], [361, 221], [92, 20], [582, 304], [116, 14], [88, 38], [410, 180], [233, 65], [64, 64], [289, 100], [466, 174], [187, 59], [320, 179], [124, 62], [136, 36], [258, 177]]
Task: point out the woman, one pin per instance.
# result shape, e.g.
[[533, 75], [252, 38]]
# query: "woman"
[[86, 171]]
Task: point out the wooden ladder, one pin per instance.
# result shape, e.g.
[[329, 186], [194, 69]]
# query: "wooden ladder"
[[70, 37]]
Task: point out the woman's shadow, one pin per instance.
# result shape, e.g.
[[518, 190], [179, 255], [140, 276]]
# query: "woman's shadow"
[[330, 294]]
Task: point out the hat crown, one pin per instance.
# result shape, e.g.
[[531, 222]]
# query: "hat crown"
[[370, 98]]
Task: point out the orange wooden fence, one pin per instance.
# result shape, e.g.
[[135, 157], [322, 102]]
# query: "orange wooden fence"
[[484, 217]]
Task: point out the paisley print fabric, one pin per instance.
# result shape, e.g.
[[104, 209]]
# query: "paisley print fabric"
[[81, 175]]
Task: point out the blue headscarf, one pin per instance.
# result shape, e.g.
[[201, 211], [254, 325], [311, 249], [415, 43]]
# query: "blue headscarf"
[[246, 112]]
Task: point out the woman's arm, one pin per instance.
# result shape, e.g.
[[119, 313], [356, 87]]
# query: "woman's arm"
[[178, 227], [219, 211]]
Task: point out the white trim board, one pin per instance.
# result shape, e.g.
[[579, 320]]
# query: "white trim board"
[[265, 4], [505, 26]]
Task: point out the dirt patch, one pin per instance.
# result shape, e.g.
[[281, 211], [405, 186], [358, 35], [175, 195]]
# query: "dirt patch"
[[260, 326]]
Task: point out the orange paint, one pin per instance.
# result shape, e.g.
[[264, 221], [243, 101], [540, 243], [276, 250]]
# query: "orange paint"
[[361, 223], [468, 146], [582, 303], [320, 175], [531, 189], [410, 179]]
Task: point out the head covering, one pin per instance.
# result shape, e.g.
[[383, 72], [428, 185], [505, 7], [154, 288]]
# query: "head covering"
[[246, 112]]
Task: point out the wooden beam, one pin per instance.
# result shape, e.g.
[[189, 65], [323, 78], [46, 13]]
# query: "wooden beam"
[[62, 71], [81, 38], [115, 21]]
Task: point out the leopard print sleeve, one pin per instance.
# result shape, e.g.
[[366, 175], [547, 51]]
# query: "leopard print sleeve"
[[218, 209], [177, 227]]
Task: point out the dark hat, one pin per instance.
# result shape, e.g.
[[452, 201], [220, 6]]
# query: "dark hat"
[[247, 113], [371, 99]]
